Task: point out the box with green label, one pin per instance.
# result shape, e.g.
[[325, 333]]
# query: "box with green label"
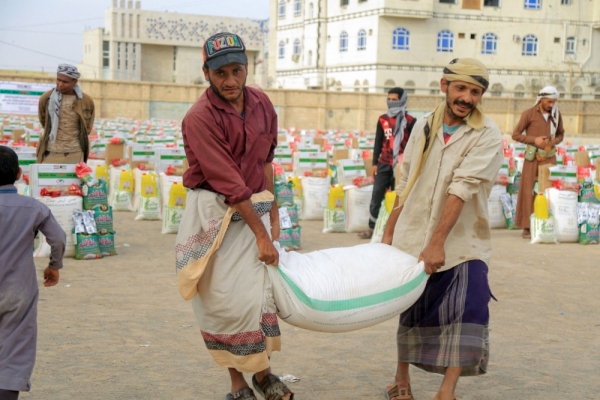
[[51, 175]]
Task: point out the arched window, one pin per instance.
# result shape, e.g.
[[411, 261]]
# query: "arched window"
[[338, 86], [365, 85], [530, 45], [401, 39], [297, 8], [343, 41], [577, 92], [571, 43], [282, 9], [309, 61], [445, 42], [409, 86], [497, 89], [561, 91], [489, 43], [519, 91], [362, 40], [357, 85], [281, 49], [435, 87], [311, 10], [297, 46], [389, 84]]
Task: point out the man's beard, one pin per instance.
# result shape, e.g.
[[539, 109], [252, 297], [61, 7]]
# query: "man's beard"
[[216, 91]]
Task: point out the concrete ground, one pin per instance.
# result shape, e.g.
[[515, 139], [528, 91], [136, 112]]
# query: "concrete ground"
[[117, 328]]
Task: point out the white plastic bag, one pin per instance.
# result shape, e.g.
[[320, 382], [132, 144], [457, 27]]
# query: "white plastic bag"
[[357, 203], [315, 192], [338, 290], [62, 209], [382, 219], [542, 230]]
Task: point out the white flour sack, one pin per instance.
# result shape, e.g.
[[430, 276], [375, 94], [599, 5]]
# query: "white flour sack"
[[357, 203], [345, 289], [62, 209], [315, 192], [563, 205], [495, 208]]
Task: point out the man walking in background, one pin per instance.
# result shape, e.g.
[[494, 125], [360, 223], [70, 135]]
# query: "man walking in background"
[[440, 216], [67, 116], [541, 129], [393, 131]]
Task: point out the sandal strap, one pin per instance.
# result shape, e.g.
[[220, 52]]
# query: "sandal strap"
[[273, 388], [397, 392], [244, 394]]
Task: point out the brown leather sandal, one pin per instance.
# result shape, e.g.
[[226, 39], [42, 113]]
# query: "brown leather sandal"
[[271, 388], [242, 394], [399, 392]]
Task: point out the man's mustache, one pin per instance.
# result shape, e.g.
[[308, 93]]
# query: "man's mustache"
[[463, 104]]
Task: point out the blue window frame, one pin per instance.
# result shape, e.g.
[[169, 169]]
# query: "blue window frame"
[[489, 43], [343, 41], [282, 9], [362, 40], [571, 43], [401, 39], [445, 42], [281, 49], [533, 4], [530, 46], [297, 46]]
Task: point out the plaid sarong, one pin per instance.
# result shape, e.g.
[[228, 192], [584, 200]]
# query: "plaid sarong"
[[448, 325]]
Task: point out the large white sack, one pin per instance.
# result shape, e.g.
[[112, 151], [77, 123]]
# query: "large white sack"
[[563, 205], [62, 209], [345, 289], [495, 209], [315, 196], [357, 201]]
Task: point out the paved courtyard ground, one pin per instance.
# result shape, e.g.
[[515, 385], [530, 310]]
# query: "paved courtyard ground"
[[117, 328]]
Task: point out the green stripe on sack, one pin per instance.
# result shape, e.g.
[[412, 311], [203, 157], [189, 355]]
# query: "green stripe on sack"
[[26, 162], [564, 174], [21, 92], [283, 156], [358, 302], [143, 153]]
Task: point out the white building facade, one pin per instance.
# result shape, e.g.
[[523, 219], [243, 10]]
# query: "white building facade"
[[373, 45], [142, 45]]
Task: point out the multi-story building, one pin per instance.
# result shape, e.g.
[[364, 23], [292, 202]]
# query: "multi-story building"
[[142, 45], [372, 45]]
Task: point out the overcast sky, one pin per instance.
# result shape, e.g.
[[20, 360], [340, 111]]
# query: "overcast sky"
[[36, 34]]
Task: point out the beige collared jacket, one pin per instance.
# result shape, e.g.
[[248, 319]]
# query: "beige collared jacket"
[[466, 167]]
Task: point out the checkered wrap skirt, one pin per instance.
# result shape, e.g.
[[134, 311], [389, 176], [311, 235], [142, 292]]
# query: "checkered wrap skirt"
[[448, 325]]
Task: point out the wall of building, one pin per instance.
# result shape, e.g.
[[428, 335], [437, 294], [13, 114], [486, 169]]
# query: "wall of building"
[[308, 109], [157, 63]]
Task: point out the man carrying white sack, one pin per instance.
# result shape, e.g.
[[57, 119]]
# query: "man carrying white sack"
[[440, 216], [230, 135]]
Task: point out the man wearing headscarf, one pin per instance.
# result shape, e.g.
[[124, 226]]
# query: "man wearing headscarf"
[[441, 217], [67, 116], [393, 131], [541, 127]]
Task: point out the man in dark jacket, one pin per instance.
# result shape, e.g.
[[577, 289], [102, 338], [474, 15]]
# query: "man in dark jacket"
[[393, 131]]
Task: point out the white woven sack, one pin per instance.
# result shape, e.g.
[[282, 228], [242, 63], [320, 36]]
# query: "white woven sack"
[[357, 201], [315, 195], [563, 206], [62, 209], [338, 290], [495, 209]]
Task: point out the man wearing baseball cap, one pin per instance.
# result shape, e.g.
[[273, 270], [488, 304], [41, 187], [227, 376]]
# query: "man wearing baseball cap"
[[230, 135]]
